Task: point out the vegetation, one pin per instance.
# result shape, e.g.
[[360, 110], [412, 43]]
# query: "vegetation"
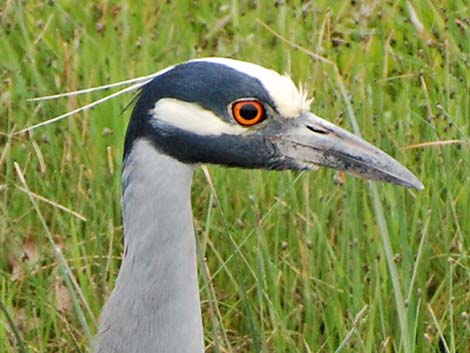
[[290, 262]]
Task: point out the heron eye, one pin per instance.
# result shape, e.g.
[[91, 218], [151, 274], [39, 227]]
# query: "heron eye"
[[248, 112]]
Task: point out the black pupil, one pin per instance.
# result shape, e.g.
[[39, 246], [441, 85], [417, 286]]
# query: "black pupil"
[[248, 111]]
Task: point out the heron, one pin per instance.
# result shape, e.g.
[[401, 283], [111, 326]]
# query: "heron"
[[207, 111]]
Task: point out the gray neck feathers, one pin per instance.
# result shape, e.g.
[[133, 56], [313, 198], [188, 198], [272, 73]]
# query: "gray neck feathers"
[[155, 305]]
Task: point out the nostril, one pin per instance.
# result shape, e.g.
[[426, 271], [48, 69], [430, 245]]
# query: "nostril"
[[318, 130]]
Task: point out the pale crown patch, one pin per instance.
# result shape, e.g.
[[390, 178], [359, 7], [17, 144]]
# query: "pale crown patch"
[[290, 101]]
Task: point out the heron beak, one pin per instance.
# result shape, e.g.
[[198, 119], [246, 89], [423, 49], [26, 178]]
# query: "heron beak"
[[311, 141]]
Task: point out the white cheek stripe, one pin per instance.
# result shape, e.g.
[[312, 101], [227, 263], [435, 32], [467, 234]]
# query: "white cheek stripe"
[[193, 118]]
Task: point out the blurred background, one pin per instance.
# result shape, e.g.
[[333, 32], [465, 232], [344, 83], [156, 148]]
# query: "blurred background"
[[289, 262]]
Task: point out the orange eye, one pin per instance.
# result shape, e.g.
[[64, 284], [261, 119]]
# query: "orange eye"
[[248, 112]]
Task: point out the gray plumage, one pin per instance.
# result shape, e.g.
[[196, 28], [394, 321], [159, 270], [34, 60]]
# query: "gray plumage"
[[155, 305], [183, 117]]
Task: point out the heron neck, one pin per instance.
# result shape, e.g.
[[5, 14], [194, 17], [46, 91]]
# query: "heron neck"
[[155, 305]]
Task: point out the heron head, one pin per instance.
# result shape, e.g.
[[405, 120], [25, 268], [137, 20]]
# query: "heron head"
[[239, 114]]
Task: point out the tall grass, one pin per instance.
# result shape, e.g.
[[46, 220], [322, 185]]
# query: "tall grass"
[[289, 262]]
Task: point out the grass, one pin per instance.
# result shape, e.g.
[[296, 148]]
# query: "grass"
[[290, 262]]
